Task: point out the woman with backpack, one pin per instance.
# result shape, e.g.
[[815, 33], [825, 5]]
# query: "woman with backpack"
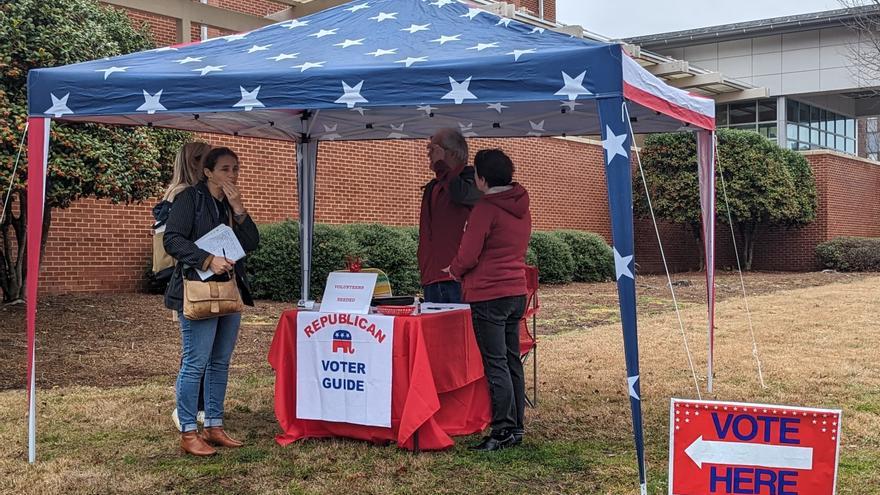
[[207, 342], [188, 171]]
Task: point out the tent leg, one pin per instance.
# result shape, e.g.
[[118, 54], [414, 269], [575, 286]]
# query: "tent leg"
[[706, 168], [617, 142], [38, 152], [306, 161]]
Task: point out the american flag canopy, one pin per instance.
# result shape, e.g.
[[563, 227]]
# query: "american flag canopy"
[[375, 69]]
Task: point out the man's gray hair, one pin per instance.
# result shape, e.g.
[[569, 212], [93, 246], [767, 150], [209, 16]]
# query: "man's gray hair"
[[454, 143]]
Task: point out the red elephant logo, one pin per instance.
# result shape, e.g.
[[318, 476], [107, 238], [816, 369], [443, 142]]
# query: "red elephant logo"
[[342, 342]]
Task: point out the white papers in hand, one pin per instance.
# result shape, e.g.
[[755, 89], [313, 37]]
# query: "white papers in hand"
[[220, 242]]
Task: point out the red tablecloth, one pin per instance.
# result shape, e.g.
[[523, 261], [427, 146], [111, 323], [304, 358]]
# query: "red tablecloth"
[[438, 387]]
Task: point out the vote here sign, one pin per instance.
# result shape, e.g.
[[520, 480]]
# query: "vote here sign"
[[751, 449]]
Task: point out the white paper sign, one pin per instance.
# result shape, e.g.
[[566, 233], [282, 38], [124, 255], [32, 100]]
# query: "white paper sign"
[[348, 292], [220, 241], [343, 367]]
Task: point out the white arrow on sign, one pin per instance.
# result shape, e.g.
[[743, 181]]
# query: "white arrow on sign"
[[750, 454]]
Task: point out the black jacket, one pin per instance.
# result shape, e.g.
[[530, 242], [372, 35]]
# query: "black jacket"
[[192, 216]]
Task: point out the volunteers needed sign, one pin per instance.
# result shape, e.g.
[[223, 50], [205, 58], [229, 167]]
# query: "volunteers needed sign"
[[343, 367], [756, 449]]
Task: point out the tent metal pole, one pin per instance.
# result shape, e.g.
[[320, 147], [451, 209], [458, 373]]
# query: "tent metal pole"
[[306, 158]]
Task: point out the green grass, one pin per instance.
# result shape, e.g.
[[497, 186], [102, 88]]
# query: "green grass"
[[579, 440]]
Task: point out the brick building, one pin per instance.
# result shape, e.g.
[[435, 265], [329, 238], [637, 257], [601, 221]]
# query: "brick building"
[[383, 179]]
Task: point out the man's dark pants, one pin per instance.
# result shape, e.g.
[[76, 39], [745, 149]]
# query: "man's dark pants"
[[443, 292]]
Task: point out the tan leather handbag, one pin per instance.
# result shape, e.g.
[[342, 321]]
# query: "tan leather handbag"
[[203, 300]]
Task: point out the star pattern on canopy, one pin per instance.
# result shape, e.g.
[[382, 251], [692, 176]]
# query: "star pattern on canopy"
[[428, 39]]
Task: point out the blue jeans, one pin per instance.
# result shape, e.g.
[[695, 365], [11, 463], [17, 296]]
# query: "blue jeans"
[[207, 349], [443, 292]]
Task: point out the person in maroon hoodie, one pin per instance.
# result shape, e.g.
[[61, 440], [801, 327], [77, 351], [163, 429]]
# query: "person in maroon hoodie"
[[491, 266], [446, 203]]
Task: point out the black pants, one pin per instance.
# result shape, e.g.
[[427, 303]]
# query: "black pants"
[[496, 324]]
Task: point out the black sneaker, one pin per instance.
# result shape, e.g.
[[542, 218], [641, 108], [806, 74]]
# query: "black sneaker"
[[495, 441], [518, 434]]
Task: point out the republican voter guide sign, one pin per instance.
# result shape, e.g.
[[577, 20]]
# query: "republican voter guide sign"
[[727, 448], [343, 367]]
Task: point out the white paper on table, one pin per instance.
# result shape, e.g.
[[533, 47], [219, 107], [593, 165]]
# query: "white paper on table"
[[348, 292], [427, 307], [220, 241]]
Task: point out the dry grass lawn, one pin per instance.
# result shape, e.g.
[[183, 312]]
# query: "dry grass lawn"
[[819, 347]]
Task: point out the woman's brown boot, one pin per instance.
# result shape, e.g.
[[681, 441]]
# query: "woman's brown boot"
[[192, 443], [216, 436]]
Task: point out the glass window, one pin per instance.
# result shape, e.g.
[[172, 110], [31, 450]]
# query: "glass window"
[[839, 143], [839, 124], [803, 146], [814, 137], [815, 117], [721, 115], [804, 114], [742, 113], [850, 128], [829, 124], [767, 130], [791, 110], [792, 132], [767, 111], [804, 134], [871, 125], [744, 127], [851, 146]]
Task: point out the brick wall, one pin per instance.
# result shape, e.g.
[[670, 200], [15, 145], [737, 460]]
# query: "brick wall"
[[533, 6], [163, 29], [98, 246]]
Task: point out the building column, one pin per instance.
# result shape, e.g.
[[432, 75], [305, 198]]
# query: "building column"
[[781, 122]]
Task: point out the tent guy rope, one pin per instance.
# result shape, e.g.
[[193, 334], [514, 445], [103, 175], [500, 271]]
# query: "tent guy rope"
[[665, 265]]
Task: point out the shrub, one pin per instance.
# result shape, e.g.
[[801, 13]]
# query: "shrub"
[[593, 259], [391, 249], [531, 257], [412, 231], [552, 257], [850, 254], [275, 267]]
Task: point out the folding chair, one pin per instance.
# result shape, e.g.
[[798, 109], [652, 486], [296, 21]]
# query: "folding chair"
[[528, 343]]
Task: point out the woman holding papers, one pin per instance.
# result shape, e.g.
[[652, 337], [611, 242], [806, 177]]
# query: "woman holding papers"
[[188, 171], [207, 344], [490, 264]]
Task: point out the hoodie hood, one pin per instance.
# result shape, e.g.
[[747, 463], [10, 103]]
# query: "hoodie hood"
[[514, 201]]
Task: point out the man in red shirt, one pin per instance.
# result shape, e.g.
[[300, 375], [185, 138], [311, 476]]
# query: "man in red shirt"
[[446, 204]]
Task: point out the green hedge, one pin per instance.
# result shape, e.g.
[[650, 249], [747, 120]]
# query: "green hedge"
[[552, 257], [593, 259], [274, 269], [850, 254], [392, 249]]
